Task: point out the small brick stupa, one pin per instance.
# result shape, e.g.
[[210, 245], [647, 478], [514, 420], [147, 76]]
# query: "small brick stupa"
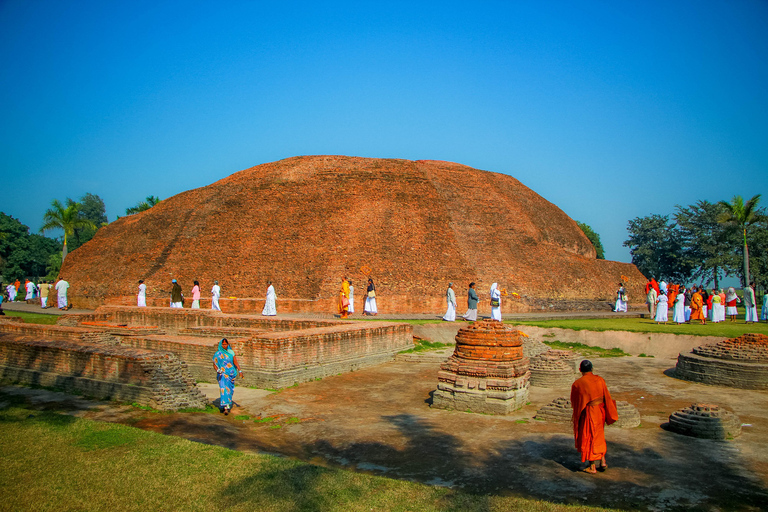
[[487, 372], [707, 421], [740, 362]]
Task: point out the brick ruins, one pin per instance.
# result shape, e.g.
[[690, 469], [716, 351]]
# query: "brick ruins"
[[272, 352], [554, 369], [305, 222], [487, 372], [561, 411], [740, 362], [707, 421]]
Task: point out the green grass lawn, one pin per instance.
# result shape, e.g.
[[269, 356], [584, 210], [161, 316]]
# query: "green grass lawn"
[[34, 318], [725, 329], [51, 461]]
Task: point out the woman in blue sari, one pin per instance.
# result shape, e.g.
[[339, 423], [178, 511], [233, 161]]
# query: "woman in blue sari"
[[227, 368]]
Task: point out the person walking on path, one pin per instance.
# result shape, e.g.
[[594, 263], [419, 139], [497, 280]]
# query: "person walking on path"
[[29, 287], [351, 308], [141, 296], [215, 294], [495, 294], [472, 300], [450, 297], [61, 290], [196, 295], [764, 312], [370, 308], [227, 370], [621, 299], [593, 408], [343, 304], [750, 304], [177, 299], [11, 289], [270, 305], [44, 287]]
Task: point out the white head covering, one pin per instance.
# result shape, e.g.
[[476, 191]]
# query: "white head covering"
[[493, 288], [731, 294]]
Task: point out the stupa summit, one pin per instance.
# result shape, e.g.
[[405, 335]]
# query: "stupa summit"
[[305, 222]]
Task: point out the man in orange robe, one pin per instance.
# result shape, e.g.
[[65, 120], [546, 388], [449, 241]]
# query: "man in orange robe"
[[592, 408], [697, 306], [344, 298]]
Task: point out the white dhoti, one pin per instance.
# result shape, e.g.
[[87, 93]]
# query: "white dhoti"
[[450, 313], [751, 314], [351, 307], [30, 295], [370, 305], [43, 302], [687, 313], [178, 305], [679, 316], [196, 304], [62, 298], [662, 313], [141, 301], [470, 315], [215, 303], [496, 313], [732, 311], [621, 305]]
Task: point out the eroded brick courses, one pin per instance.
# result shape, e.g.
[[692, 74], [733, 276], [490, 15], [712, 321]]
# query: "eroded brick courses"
[[707, 421], [740, 362], [560, 410]]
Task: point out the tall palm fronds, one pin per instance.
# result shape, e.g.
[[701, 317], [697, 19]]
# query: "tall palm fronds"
[[67, 219], [143, 205], [739, 214]]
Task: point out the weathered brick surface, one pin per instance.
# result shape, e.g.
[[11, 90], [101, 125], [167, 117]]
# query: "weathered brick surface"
[[554, 369], [415, 224], [707, 421], [560, 410], [148, 377], [740, 362]]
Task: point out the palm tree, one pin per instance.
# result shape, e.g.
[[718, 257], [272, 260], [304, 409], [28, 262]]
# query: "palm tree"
[[738, 213], [67, 219], [143, 205]]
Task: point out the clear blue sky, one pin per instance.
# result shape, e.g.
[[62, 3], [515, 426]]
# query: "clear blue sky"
[[611, 110]]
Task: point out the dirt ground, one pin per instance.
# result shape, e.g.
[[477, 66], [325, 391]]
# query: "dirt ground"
[[378, 420]]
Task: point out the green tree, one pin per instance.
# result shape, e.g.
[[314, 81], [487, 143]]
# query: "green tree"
[[92, 208], [23, 254], [141, 206], [67, 219], [594, 238], [657, 249], [741, 215], [706, 241]]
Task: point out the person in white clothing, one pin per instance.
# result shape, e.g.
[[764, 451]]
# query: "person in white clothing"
[[141, 297], [215, 294], [11, 292], [30, 286], [370, 299], [495, 302], [61, 289], [450, 297], [679, 307], [662, 308], [621, 300], [351, 308], [270, 307], [750, 304]]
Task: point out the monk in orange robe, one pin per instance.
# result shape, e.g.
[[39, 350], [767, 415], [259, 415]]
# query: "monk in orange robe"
[[344, 298], [697, 306], [592, 408]]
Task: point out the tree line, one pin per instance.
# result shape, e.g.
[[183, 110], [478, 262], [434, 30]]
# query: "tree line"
[[703, 242], [32, 255]]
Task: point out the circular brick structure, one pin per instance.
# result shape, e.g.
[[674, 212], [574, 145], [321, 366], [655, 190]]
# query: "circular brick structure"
[[560, 410], [737, 362], [487, 372], [553, 369], [707, 421]]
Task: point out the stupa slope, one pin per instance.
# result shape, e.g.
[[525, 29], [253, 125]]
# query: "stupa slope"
[[304, 222]]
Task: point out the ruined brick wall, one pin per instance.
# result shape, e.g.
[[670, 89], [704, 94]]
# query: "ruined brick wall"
[[151, 378], [305, 222], [740, 362]]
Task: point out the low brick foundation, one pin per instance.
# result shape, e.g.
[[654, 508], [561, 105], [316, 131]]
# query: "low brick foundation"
[[147, 377], [738, 362]]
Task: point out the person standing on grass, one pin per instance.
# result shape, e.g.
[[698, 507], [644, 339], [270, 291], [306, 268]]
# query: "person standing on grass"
[[750, 304], [196, 295], [678, 315], [450, 297], [141, 297], [731, 299], [662, 309], [215, 294], [715, 306], [227, 369], [593, 408], [651, 298]]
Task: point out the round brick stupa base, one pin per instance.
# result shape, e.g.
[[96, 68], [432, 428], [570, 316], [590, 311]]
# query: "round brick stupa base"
[[707, 421], [487, 372]]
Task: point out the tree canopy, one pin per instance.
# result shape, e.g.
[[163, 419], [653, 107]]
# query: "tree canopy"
[[67, 219], [23, 254], [594, 238], [141, 206]]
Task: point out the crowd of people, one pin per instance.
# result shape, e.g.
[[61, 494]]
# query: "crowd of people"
[[696, 303], [473, 299], [346, 302], [36, 291]]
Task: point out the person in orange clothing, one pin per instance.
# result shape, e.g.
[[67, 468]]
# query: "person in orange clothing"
[[344, 298], [592, 408], [697, 306]]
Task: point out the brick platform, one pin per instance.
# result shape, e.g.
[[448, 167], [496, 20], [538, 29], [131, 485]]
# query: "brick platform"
[[740, 362], [487, 372]]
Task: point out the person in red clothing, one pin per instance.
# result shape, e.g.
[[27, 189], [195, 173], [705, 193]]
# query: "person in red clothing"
[[592, 409]]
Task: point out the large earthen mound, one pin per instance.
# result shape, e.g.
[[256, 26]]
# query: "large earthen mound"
[[304, 222]]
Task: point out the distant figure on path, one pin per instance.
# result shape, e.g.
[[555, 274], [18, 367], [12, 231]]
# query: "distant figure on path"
[[29, 287], [370, 299], [196, 295], [270, 307], [450, 297], [621, 299], [227, 369], [662, 309], [61, 289], [730, 300], [678, 315], [351, 308], [716, 309], [592, 409], [750, 303], [697, 306], [11, 289], [344, 298], [651, 298], [141, 297], [45, 288], [495, 302], [17, 285], [215, 294], [764, 312], [472, 300], [176, 296]]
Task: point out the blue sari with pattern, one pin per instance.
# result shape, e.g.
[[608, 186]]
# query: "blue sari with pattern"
[[224, 359]]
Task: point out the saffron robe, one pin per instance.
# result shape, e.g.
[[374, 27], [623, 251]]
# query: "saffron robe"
[[697, 307], [588, 420]]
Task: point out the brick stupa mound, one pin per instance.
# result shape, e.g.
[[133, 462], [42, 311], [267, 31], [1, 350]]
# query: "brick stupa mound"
[[707, 421], [487, 372], [737, 362], [305, 222], [560, 410]]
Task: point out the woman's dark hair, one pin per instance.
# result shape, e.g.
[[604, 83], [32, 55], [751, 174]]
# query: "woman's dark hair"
[[471, 284], [198, 284], [585, 366]]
